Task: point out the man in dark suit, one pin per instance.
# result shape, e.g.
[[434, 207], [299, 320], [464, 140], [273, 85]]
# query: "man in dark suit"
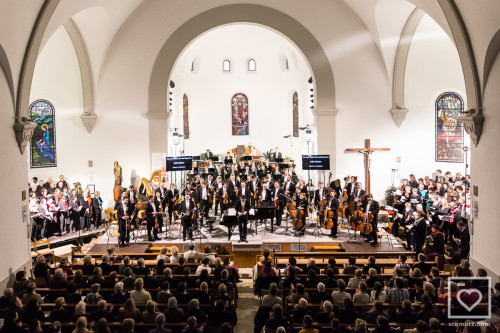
[[358, 192], [275, 155], [123, 215], [333, 206], [350, 187], [232, 185], [97, 208], [187, 207], [265, 196], [151, 211], [277, 196], [242, 208], [172, 198], [219, 172], [463, 241], [163, 193], [228, 159], [222, 194], [203, 194], [371, 206], [320, 194], [173, 314], [208, 155], [289, 186]]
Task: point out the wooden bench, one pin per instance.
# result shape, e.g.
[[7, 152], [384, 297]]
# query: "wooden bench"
[[340, 255], [327, 248]]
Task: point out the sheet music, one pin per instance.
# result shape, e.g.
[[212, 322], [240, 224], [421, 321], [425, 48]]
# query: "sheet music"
[[231, 212]]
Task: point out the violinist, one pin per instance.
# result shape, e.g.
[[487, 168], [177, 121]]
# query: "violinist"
[[242, 208], [151, 211], [223, 195], [132, 195], [163, 192], [187, 209], [351, 187], [371, 206], [333, 206], [243, 190], [289, 186], [202, 200], [123, 220], [277, 195], [232, 188], [219, 172], [301, 211], [159, 203], [217, 187], [358, 192], [264, 197], [254, 186], [172, 200]]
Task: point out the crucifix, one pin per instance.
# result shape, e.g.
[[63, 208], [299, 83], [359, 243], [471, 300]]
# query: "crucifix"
[[367, 151]]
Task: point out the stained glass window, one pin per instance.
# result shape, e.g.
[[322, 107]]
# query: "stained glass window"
[[226, 66], [43, 142], [449, 129], [239, 107], [296, 115], [185, 116], [251, 65]]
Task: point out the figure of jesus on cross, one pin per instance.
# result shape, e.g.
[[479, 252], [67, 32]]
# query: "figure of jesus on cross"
[[367, 151]]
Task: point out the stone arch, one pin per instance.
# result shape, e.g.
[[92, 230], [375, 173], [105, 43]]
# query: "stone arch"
[[5, 66], [491, 55], [254, 14]]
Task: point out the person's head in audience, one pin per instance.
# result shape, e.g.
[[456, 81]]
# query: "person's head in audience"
[[292, 261], [8, 292], [341, 284], [329, 272], [277, 311], [372, 272], [421, 326], [371, 260], [429, 289], [426, 302], [222, 290], [307, 322], [102, 304], [335, 323], [434, 272], [127, 272], [128, 325], [300, 288], [118, 288], [81, 308], [402, 258], [224, 274], [105, 259], [15, 302], [219, 305], [421, 257], [207, 249], [139, 284], [102, 326], [204, 287], [383, 322], [181, 287], [160, 265], [167, 273], [416, 273], [151, 307], [20, 276], [321, 287], [191, 321], [59, 273], [34, 325], [327, 306], [360, 326], [130, 307], [226, 328], [172, 303], [311, 263], [94, 289], [205, 261], [194, 304], [302, 303], [181, 261], [165, 285], [140, 262], [87, 260], [398, 272], [273, 289], [57, 327], [378, 306], [352, 261], [160, 320], [358, 273], [332, 262], [398, 284], [481, 272], [434, 324], [362, 287], [98, 271], [81, 325], [175, 251], [126, 261], [59, 303], [406, 305], [204, 275], [30, 288]]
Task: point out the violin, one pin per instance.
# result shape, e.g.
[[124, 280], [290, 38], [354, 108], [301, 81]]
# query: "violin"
[[225, 199], [210, 199]]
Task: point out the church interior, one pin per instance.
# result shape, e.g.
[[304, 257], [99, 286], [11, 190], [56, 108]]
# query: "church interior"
[[104, 93]]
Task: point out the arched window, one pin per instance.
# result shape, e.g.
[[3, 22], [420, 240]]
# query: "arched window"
[[192, 66], [251, 65], [185, 116], [449, 129], [226, 66], [239, 111], [286, 64], [296, 115], [43, 142]]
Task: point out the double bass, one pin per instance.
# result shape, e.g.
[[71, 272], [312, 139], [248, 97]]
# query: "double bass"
[[329, 215], [297, 214]]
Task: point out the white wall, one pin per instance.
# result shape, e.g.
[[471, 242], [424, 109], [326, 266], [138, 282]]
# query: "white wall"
[[119, 135], [269, 90]]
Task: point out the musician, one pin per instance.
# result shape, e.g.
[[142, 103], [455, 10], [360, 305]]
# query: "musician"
[[242, 208], [320, 194], [219, 172], [210, 183], [275, 155], [464, 240], [335, 185], [97, 208], [86, 212], [132, 195], [289, 187], [435, 245], [278, 201], [358, 193], [417, 232], [310, 190], [187, 208], [159, 202], [223, 195], [254, 184], [265, 196], [123, 218], [243, 191], [202, 201], [216, 189], [228, 159], [74, 212], [208, 155], [118, 202], [232, 171], [232, 186], [163, 193], [415, 198], [172, 198], [371, 206], [333, 206], [151, 211], [301, 205], [351, 187]]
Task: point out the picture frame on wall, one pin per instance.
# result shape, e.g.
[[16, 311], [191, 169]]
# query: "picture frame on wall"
[[91, 188]]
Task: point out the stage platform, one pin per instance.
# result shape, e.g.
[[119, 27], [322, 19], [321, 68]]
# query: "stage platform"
[[259, 239], [74, 238]]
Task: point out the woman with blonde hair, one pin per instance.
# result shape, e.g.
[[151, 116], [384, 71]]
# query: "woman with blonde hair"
[[81, 325], [163, 255], [174, 258], [130, 311]]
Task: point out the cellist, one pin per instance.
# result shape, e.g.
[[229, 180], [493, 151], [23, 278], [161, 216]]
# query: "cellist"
[[301, 212], [371, 206], [333, 207]]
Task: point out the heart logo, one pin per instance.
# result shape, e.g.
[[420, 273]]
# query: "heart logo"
[[470, 291]]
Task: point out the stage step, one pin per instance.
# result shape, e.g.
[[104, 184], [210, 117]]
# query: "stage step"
[[246, 247], [327, 248]]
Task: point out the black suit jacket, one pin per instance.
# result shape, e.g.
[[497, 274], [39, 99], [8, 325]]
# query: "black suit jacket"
[[291, 188], [149, 211], [248, 192], [317, 197], [183, 206], [275, 156], [120, 212], [240, 208], [268, 198], [171, 196]]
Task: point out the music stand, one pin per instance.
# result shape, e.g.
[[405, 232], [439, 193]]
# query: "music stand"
[[279, 160], [355, 236], [287, 230]]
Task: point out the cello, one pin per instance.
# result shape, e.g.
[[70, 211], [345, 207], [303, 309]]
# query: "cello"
[[297, 213]]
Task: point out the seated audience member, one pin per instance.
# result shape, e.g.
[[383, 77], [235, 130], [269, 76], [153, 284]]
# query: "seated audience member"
[[194, 310], [191, 326], [160, 266], [192, 255], [377, 310], [336, 326], [140, 269], [12, 324], [428, 310], [163, 255], [300, 311], [128, 325], [371, 264], [296, 293], [416, 279], [434, 277], [59, 313], [73, 295], [173, 314], [424, 267], [312, 280], [175, 256], [398, 294], [181, 269], [307, 325], [202, 295], [291, 279], [373, 278], [406, 314], [402, 265], [219, 315], [397, 274], [87, 267], [356, 280], [182, 296], [150, 282], [224, 279], [81, 311], [326, 314], [129, 310], [79, 281], [332, 263], [204, 277], [349, 313], [58, 281], [97, 278], [81, 325], [292, 264], [32, 311], [361, 296], [383, 325], [4, 300], [139, 295], [267, 270], [118, 296], [31, 294], [104, 310], [41, 267], [378, 293], [102, 326], [110, 280], [167, 276], [20, 284], [351, 267], [311, 265], [94, 296], [208, 254], [149, 315], [160, 321], [320, 296], [126, 263], [164, 294], [276, 318], [338, 296], [129, 280], [223, 295], [430, 291], [204, 266], [435, 325], [272, 297], [105, 265], [329, 281]]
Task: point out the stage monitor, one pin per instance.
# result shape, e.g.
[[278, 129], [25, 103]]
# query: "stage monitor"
[[180, 163], [315, 162]]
